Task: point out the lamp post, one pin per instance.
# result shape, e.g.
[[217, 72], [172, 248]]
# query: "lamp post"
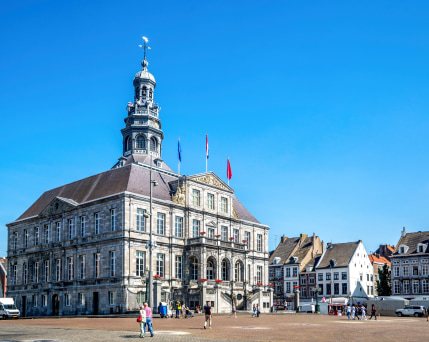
[[150, 244], [316, 291]]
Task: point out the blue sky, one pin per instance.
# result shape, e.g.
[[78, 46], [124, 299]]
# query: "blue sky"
[[321, 106]]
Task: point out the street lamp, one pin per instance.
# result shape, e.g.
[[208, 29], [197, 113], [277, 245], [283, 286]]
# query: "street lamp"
[[150, 245], [316, 291]]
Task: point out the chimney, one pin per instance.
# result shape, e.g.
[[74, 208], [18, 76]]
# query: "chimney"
[[314, 236], [283, 239], [328, 245], [403, 233]]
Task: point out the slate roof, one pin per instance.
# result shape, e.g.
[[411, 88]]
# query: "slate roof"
[[412, 240], [341, 252], [142, 158], [131, 178], [312, 263], [284, 250], [378, 259], [302, 251]]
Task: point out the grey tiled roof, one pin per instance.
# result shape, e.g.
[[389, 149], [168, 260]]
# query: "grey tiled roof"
[[412, 240], [284, 250], [131, 178], [341, 252], [144, 159]]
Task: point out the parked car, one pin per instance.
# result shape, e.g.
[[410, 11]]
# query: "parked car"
[[416, 311]]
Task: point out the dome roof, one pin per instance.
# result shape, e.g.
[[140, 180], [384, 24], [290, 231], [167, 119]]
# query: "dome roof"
[[144, 74]]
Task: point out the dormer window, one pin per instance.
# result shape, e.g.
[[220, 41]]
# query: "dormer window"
[[403, 249], [421, 248], [276, 260]]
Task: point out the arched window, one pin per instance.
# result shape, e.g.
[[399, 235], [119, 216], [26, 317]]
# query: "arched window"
[[153, 144], [150, 93], [194, 268], [238, 271], [211, 272], [140, 142], [137, 93], [144, 93], [225, 270], [127, 143]]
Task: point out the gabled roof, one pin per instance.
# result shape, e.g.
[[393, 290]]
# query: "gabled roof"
[[412, 240], [340, 252], [301, 251], [131, 178], [284, 250], [390, 248], [378, 259], [312, 263]]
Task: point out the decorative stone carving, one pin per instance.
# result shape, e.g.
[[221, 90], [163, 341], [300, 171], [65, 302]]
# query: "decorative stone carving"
[[180, 196], [210, 180], [153, 124], [57, 206]]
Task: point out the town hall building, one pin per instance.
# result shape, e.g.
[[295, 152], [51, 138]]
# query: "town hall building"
[[84, 247]]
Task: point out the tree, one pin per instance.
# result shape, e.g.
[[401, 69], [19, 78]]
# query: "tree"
[[383, 284]]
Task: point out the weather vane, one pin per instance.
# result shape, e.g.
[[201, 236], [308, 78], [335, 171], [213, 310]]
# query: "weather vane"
[[144, 46]]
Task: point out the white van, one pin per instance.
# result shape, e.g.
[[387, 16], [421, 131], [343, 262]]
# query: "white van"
[[8, 308], [310, 308]]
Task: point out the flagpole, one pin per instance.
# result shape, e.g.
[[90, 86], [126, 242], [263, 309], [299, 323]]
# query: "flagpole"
[[206, 151], [178, 157], [227, 171]]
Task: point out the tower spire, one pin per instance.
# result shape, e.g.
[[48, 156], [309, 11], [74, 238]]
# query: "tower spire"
[[145, 47]]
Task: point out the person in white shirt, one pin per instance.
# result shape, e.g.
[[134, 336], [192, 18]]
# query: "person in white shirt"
[[143, 320], [363, 312]]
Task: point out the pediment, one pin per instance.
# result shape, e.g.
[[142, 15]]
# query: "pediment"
[[211, 179], [211, 224], [58, 205]]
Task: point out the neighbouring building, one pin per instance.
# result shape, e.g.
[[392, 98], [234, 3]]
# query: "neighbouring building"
[[83, 248], [410, 265], [3, 277], [344, 271], [385, 251], [377, 262]]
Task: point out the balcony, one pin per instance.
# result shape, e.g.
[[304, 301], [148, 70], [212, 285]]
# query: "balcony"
[[216, 243]]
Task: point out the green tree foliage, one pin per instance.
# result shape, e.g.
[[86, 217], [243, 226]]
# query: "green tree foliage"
[[383, 284]]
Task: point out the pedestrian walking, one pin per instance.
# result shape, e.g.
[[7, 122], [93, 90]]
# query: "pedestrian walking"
[[349, 311], [254, 311], [373, 312], [353, 312], [142, 320], [363, 309], [178, 308], [257, 310], [148, 320], [234, 311], [208, 315]]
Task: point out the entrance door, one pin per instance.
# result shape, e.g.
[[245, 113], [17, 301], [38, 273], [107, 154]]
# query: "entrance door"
[[55, 305], [95, 302], [24, 304]]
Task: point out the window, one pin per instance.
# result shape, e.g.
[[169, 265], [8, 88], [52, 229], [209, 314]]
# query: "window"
[[336, 289], [178, 226], [83, 226], [178, 266], [112, 263], [425, 285], [406, 286], [97, 265], [367, 277], [113, 222], [35, 300], [70, 272], [303, 281], [127, 143], [112, 298], [288, 287], [328, 276], [58, 228], [67, 299], [294, 271], [396, 287], [236, 235], [140, 222], [223, 204], [344, 288], [247, 237], [396, 271], [58, 270], [259, 242], [304, 292], [344, 276], [26, 238], [425, 270], [160, 264], [328, 289], [14, 274], [311, 280], [140, 260], [82, 266], [225, 270], [278, 273], [25, 274], [97, 223], [288, 272], [46, 271], [224, 233], [194, 268], [238, 270], [71, 228], [36, 272], [361, 277], [415, 270], [46, 233], [140, 142], [321, 289], [259, 274], [210, 270], [153, 144], [196, 197], [36, 236], [210, 201], [141, 297], [336, 275], [415, 286], [211, 233], [195, 228], [405, 271], [44, 300], [15, 240], [320, 277], [81, 299], [160, 223]]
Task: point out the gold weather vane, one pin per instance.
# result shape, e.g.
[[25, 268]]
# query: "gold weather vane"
[[145, 46]]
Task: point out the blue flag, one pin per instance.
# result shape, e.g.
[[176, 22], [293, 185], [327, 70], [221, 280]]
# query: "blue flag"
[[179, 150]]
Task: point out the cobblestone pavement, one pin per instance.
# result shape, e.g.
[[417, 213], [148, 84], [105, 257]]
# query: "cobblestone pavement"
[[272, 327]]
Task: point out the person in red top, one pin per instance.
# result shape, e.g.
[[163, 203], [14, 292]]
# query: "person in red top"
[[148, 320]]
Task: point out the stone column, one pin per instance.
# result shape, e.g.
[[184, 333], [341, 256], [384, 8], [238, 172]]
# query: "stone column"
[[217, 301], [156, 295]]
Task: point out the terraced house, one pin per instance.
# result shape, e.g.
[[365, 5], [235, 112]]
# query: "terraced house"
[[83, 248]]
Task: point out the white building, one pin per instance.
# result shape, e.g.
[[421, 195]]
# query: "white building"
[[344, 270]]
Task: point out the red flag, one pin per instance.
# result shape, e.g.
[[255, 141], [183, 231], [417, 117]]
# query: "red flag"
[[228, 170]]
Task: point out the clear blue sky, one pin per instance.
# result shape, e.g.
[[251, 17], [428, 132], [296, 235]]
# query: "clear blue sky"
[[322, 106]]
